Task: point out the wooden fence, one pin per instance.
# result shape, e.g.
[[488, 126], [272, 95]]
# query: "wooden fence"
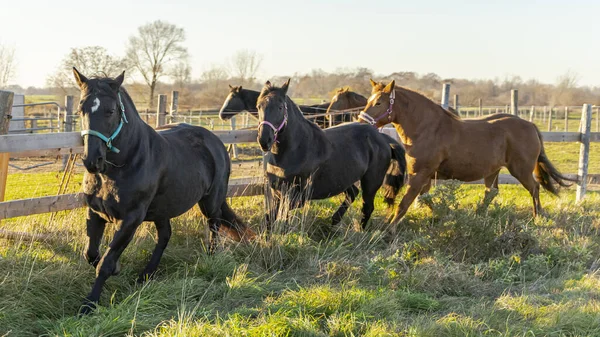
[[72, 143]]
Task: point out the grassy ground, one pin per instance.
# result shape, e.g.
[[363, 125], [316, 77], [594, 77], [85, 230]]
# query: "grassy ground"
[[453, 271]]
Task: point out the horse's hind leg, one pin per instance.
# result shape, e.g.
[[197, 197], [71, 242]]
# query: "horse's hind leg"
[[211, 208], [163, 229], [351, 194], [95, 229], [525, 177], [369, 190]]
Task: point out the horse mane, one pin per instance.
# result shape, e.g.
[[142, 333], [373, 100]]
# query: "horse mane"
[[293, 108], [418, 99]]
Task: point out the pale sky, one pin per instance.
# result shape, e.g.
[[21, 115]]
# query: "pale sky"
[[459, 38]]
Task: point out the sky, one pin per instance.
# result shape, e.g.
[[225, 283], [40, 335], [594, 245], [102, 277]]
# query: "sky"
[[462, 38]]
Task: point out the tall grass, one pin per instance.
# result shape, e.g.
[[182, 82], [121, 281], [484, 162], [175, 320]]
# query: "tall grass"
[[454, 270]]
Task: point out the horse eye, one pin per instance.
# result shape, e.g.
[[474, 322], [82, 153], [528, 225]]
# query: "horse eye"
[[111, 111], [281, 107], [378, 103]]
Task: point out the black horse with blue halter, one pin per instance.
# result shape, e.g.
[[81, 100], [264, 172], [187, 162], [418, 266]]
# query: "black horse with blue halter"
[[108, 140]]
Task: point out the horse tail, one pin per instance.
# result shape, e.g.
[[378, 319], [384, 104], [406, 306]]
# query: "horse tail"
[[234, 226], [394, 177], [546, 174]]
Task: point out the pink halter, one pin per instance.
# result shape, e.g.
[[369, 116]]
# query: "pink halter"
[[366, 117], [277, 129]]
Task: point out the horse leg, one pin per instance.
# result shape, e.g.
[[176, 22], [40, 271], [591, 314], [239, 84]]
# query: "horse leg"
[[163, 229], [95, 229], [351, 194], [211, 208], [416, 182], [273, 204], [525, 177], [109, 264], [369, 190], [491, 190], [424, 190]]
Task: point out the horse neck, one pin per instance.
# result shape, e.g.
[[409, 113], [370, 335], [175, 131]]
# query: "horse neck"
[[418, 114], [357, 101], [250, 98], [299, 133], [132, 134]]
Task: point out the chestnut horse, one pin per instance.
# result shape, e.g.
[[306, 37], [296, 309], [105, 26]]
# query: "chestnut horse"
[[438, 143]]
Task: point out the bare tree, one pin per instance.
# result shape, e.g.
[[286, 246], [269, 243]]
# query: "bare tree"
[[93, 60], [7, 65], [154, 50], [181, 74], [245, 64], [564, 93]]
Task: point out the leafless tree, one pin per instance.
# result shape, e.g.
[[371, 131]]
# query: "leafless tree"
[[92, 60], [563, 93], [7, 65], [155, 50], [245, 65]]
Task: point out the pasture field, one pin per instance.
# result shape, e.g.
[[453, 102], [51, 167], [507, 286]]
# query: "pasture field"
[[452, 270]]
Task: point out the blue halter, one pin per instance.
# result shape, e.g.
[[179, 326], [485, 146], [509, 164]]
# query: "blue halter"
[[108, 140]]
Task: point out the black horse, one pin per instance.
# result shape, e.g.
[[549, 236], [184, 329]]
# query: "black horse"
[[331, 160], [240, 99], [136, 174]]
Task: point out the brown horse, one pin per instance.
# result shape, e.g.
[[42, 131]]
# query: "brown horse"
[[438, 143], [345, 99]]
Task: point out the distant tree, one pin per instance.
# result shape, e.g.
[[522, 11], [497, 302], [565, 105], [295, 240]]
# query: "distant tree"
[[7, 65], [155, 51], [565, 92], [92, 60], [245, 65]]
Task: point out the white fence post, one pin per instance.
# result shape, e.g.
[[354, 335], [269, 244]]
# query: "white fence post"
[[584, 150], [445, 95]]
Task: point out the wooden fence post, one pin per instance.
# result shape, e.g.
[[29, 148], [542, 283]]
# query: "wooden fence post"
[[544, 113], [550, 119], [445, 95], [161, 110], [6, 103], [480, 107], [234, 149], [67, 124], [584, 150], [566, 119], [532, 113], [598, 119], [174, 106], [514, 102]]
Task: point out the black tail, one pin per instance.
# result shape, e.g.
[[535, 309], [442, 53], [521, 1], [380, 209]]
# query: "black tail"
[[545, 173], [235, 227], [394, 177]]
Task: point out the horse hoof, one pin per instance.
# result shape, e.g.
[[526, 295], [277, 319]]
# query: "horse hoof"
[[87, 308], [145, 277]]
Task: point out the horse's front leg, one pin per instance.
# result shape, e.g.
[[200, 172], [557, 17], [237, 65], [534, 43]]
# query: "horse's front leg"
[[95, 229], [108, 265], [272, 203]]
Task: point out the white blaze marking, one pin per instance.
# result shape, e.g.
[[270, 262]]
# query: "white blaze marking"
[[225, 104], [372, 98], [96, 105]]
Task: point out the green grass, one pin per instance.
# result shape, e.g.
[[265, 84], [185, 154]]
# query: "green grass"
[[453, 271], [41, 98]]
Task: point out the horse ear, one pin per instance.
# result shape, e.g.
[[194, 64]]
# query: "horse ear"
[[118, 81], [388, 88], [239, 88], [285, 86], [230, 87], [268, 84], [81, 80], [373, 83], [347, 89]]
